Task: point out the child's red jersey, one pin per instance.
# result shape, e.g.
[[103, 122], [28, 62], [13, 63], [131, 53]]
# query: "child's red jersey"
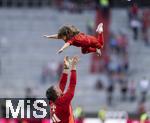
[[61, 110], [83, 40]]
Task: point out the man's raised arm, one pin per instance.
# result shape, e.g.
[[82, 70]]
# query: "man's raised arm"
[[67, 97], [63, 79]]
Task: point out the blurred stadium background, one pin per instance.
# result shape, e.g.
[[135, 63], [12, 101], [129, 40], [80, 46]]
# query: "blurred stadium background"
[[115, 86]]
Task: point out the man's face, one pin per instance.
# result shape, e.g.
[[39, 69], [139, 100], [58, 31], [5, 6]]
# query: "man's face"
[[58, 90]]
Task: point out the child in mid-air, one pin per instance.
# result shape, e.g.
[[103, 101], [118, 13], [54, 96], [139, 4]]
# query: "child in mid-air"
[[72, 36]]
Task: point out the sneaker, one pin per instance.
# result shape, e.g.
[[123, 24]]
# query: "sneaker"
[[100, 28]]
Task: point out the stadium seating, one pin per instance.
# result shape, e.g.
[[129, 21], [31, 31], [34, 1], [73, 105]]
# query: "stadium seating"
[[24, 52]]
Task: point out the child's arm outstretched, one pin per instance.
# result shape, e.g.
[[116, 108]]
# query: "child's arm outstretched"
[[55, 36], [66, 45]]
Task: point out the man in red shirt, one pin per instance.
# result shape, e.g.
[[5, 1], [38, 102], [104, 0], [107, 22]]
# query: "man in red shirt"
[[60, 102]]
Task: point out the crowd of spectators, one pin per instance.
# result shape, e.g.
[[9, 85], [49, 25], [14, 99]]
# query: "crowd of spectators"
[[139, 21], [114, 62]]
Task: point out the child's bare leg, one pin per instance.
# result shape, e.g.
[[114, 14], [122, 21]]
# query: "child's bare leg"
[[98, 51], [100, 28], [100, 37]]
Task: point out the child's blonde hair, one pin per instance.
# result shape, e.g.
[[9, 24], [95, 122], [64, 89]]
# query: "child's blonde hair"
[[68, 30]]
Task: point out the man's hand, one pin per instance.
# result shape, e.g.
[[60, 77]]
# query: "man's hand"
[[66, 62], [75, 60]]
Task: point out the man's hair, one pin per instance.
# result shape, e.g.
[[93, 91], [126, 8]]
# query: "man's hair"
[[51, 94], [68, 30]]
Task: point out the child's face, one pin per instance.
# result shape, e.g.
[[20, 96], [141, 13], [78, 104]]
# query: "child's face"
[[64, 38]]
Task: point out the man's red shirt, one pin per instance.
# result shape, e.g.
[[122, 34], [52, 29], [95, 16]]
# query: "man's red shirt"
[[61, 110]]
